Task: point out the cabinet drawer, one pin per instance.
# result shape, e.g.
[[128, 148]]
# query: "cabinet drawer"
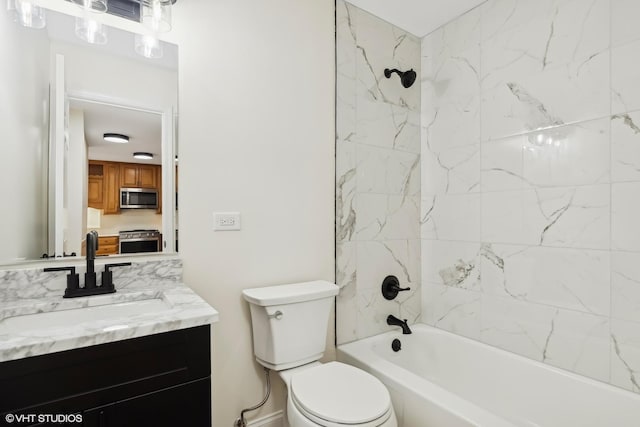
[[108, 250], [108, 245], [184, 405], [108, 240], [102, 374]]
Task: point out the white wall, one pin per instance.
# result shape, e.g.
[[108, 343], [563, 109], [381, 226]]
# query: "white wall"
[[256, 136], [96, 72], [24, 106]]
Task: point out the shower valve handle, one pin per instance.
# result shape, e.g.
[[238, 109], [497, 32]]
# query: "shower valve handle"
[[391, 287]]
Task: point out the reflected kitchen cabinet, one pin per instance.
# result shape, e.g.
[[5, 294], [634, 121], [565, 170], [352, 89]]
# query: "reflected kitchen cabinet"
[[111, 188], [136, 175], [95, 197], [108, 245], [103, 190], [95, 189]]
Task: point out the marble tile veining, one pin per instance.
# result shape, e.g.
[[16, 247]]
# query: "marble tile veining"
[[625, 71], [452, 309], [515, 161], [566, 339], [625, 147], [530, 193], [378, 179], [625, 355]]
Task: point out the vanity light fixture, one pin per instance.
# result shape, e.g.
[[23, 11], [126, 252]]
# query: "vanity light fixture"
[[116, 137], [156, 15], [142, 155], [26, 13], [96, 6]]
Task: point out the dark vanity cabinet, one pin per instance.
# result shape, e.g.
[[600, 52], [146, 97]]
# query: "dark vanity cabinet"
[[157, 380]]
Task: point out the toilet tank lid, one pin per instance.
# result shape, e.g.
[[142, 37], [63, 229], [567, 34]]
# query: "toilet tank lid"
[[292, 293]]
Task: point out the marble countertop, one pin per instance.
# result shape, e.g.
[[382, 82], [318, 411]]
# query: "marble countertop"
[[184, 309]]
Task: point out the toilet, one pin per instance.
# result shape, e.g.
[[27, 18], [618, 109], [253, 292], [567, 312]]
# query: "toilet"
[[289, 334]]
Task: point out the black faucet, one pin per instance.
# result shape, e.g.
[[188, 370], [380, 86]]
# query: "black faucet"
[[90, 286], [394, 321], [92, 247]]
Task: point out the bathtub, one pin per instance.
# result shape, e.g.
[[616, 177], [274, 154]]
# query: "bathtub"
[[445, 380]]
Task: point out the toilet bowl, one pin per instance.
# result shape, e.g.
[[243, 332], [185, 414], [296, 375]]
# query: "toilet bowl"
[[335, 395], [289, 325]]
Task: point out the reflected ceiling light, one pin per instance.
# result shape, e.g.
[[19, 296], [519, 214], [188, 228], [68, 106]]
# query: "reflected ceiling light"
[[142, 155], [148, 46], [156, 15], [116, 137], [91, 30], [550, 137], [26, 13], [96, 6]]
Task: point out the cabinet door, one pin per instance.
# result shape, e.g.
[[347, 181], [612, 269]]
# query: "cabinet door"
[[157, 378], [129, 175], [147, 176], [184, 405], [95, 190], [111, 189]]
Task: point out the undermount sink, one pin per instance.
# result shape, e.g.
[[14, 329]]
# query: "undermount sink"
[[71, 317]]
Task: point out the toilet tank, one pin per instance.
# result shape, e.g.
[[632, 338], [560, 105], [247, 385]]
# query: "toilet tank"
[[290, 322]]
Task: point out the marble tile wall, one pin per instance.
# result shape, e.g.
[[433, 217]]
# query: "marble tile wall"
[[530, 195], [377, 173]]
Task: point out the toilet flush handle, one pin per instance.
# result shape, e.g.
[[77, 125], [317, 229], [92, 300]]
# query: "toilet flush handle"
[[277, 315]]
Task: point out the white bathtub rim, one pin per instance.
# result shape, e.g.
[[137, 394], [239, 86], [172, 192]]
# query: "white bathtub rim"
[[395, 376], [560, 371], [400, 378]]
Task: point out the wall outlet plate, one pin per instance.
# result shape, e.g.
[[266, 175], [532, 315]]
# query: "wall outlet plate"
[[226, 221]]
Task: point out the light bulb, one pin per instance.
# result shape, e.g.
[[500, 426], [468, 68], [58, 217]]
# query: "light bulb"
[[156, 16], [27, 14], [96, 6], [91, 30], [148, 46]]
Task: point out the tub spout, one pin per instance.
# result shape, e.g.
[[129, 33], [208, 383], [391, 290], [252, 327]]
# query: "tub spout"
[[394, 321]]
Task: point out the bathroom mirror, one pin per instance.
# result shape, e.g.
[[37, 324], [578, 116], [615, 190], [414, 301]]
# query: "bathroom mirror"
[[59, 95]]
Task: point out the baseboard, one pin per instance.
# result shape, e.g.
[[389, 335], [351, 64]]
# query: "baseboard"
[[272, 420]]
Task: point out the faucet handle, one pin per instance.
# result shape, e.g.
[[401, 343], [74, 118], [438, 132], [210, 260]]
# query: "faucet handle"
[[391, 287], [107, 275], [73, 279], [72, 270], [120, 264]]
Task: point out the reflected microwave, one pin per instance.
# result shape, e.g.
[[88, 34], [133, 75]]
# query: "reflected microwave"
[[138, 198]]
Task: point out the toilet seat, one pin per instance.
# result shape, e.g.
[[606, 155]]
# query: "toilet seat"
[[337, 395]]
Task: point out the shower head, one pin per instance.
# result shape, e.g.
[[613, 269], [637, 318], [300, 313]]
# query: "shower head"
[[407, 78]]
